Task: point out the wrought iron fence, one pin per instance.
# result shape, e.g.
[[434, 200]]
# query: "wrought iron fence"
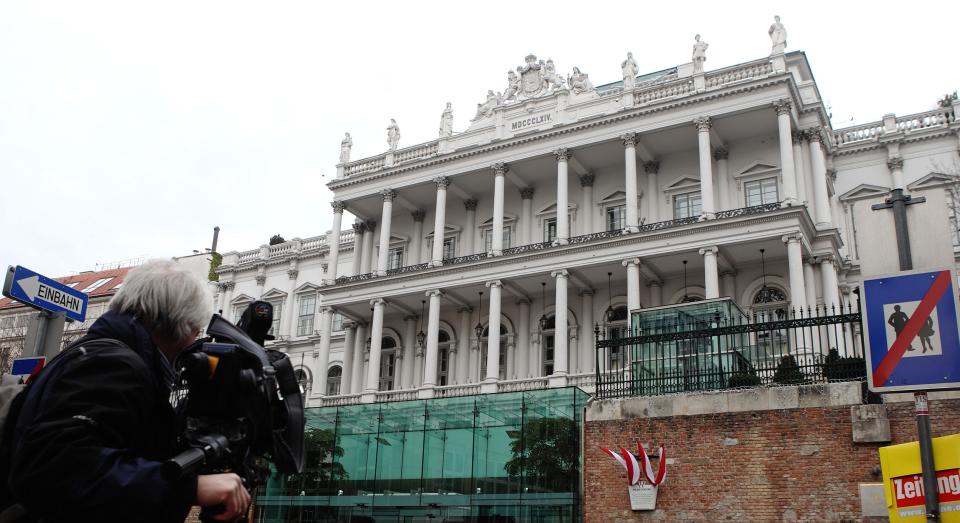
[[695, 354]]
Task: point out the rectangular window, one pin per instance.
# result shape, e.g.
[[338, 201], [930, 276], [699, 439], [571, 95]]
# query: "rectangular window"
[[686, 205], [277, 312], [395, 261], [449, 248], [308, 308], [616, 217], [550, 229], [337, 322], [488, 240], [760, 192]]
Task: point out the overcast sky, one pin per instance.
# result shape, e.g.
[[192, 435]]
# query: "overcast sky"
[[130, 129]]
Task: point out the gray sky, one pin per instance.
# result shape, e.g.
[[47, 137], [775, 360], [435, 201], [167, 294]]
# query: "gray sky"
[[131, 128]]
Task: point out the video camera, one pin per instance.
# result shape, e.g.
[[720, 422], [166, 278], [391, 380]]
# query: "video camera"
[[243, 407]]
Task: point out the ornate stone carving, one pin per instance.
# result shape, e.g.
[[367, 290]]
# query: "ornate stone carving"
[[793, 237], [630, 71], [562, 154], [534, 79], [526, 193], [470, 204], [261, 279], [652, 167], [345, 145], [712, 250], [778, 36], [513, 86], [446, 122], [721, 153], [703, 123], [419, 215], [782, 106], [338, 206], [551, 80], [393, 134], [699, 54], [388, 195], [832, 174], [371, 225], [813, 135], [442, 182], [499, 169], [359, 228], [292, 273], [580, 82], [895, 163], [486, 108], [629, 139], [587, 180], [798, 137]]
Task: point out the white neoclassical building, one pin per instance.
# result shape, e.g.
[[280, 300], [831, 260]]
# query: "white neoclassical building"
[[483, 261]]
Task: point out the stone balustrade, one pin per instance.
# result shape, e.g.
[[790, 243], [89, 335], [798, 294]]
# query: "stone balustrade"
[[936, 118]]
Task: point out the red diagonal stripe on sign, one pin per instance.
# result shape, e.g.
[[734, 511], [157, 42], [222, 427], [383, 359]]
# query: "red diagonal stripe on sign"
[[910, 330]]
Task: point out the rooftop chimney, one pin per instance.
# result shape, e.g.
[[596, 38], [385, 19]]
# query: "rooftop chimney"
[[216, 234]]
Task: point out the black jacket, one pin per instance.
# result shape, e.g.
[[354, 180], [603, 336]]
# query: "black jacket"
[[91, 436]]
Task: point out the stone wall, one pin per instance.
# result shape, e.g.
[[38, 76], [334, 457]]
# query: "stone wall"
[[778, 454]]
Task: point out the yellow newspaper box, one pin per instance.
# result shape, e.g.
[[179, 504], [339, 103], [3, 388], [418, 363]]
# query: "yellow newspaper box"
[[903, 483]]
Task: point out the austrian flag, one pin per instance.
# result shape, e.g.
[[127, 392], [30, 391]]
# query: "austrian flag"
[[635, 469]]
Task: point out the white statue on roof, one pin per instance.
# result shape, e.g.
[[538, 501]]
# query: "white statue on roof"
[[513, 86], [393, 134], [630, 71], [778, 36], [345, 145], [580, 82], [485, 109], [699, 54], [446, 122], [551, 80]]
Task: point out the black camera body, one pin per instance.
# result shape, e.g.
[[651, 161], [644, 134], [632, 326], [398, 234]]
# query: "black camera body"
[[241, 403]]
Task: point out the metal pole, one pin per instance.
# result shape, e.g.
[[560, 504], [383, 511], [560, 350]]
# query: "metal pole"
[[42, 326], [899, 203], [931, 496]]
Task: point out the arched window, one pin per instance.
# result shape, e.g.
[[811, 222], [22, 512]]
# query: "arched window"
[[333, 380], [617, 326], [503, 352], [388, 362], [443, 374], [770, 304], [303, 379]]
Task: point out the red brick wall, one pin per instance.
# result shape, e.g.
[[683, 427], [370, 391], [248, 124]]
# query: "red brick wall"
[[786, 465]]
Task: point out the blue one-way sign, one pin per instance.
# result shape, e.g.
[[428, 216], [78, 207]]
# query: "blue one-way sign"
[[40, 292]]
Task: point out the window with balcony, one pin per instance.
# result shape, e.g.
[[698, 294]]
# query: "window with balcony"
[[616, 217], [333, 380], [759, 192], [308, 309], [488, 239], [337, 322], [277, 313], [395, 259], [449, 248], [687, 205], [550, 229], [388, 362], [443, 371]]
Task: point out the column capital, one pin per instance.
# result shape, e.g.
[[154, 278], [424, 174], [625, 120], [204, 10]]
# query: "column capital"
[[418, 215], [292, 273], [378, 301], [721, 153], [826, 258], [630, 261], [261, 279], [411, 317], [587, 292], [562, 273], [652, 167], [562, 154], [433, 292], [468, 309], [323, 309], [470, 204], [832, 174], [349, 325], [359, 228], [338, 206], [494, 283], [713, 249], [813, 135], [797, 136], [229, 285], [388, 195], [499, 168], [526, 193], [793, 237], [371, 224], [442, 182], [895, 163], [655, 283], [587, 180], [629, 139], [703, 123], [782, 106]]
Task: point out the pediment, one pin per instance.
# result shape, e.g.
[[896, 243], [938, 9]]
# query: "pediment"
[[243, 298], [551, 208], [685, 182], [507, 218], [306, 287], [934, 179], [273, 293], [757, 168], [614, 196], [447, 229], [864, 191]]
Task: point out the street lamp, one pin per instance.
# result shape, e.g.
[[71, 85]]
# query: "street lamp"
[[421, 337], [478, 330]]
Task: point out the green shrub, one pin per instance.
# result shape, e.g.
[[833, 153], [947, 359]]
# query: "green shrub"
[[743, 379], [788, 372]]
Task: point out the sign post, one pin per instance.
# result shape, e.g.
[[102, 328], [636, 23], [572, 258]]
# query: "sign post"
[[52, 298]]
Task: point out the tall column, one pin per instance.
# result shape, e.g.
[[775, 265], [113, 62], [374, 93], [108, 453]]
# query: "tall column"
[[561, 332], [783, 108], [798, 292], [849, 241], [711, 280], [526, 216], [416, 242], [323, 356], [723, 180], [349, 338], [433, 348], [470, 230], [656, 292], [367, 261], [409, 352], [586, 216], [652, 198], [810, 282], [630, 179], [706, 165], [439, 220], [288, 323], [586, 331], [334, 242], [376, 341], [493, 340], [523, 339], [359, 348], [385, 221], [496, 244], [463, 348], [563, 222], [819, 175], [798, 170], [633, 284], [831, 296], [728, 284], [895, 164], [358, 229]]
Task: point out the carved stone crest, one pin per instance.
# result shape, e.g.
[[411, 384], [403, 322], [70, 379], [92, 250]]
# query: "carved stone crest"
[[531, 77]]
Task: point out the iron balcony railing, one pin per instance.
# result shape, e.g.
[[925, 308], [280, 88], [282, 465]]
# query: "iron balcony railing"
[[770, 348]]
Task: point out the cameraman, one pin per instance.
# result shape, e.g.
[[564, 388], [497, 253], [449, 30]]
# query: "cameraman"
[[90, 438]]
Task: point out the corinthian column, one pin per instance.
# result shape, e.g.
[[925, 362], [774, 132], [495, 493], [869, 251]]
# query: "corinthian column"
[[490, 382], [711, 278], [630, 179], [586, 217], [706, 165], [439, 219], [470, 231], [334, 242], [561, 333], [786, 152], [526, 215], [416, 243], [818, 166], [563, 222], [499, 170], [433, 346], [385, 219], [652, 198], [376, 341]]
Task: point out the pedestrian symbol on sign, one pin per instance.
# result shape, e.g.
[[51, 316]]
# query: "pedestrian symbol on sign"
[[926, 343]]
